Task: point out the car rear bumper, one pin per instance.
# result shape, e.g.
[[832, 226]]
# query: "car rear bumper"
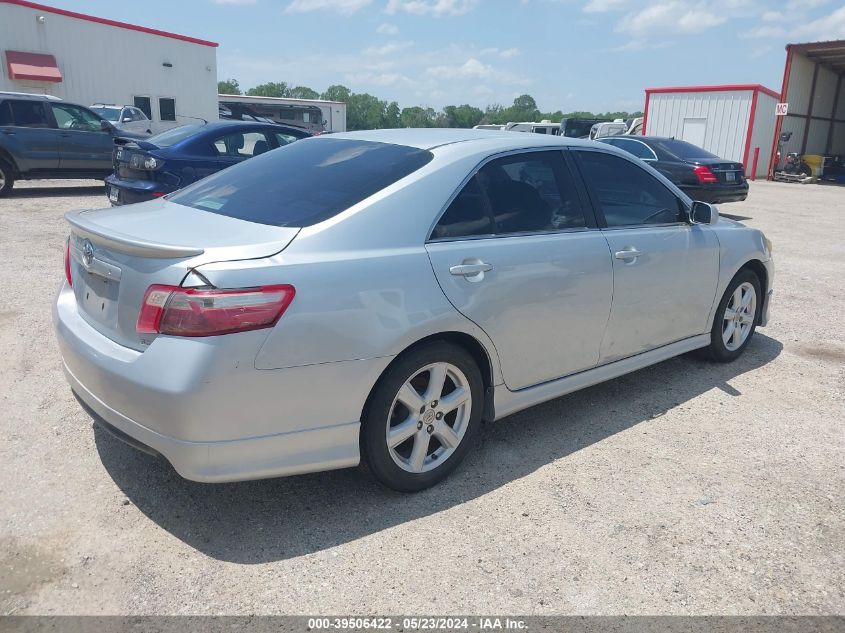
[[132, 191], [214, 417], [718, 194]]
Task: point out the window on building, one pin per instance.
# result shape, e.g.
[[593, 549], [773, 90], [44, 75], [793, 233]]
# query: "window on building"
[[143, 104], [167, 109]]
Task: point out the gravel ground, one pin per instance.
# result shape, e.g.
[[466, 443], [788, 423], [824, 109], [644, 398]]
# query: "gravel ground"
[[685, 488]]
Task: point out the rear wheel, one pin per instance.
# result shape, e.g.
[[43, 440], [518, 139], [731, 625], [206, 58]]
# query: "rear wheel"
[[6, 179], [736, 318], [422, 416]]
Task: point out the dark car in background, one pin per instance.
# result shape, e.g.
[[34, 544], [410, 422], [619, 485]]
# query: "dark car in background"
[[698, 173], [45, 137], [152, 167]]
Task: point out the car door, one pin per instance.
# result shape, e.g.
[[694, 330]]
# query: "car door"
[[83, 144], [28, 134], [665, 270], [237, 146], [517, 252]]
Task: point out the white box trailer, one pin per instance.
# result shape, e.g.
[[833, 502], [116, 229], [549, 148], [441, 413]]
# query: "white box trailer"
[[298, 112], [86, 59], [735, 122]]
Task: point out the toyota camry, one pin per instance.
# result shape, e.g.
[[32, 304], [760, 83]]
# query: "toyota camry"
[[375, 296]]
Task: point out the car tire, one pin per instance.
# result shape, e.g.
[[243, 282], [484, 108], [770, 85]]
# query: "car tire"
[[413, 432], [733, 329], [6, 179]]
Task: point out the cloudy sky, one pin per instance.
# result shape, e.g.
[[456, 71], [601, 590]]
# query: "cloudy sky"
[[569, 54]]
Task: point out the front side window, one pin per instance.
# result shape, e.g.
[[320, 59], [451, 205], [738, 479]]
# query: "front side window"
[[303, 183], [28, 114], [627, 194], [167, 109], [284, 139], [70, 117]]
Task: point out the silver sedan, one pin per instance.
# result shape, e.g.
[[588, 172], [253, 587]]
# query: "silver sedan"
[[375, 296]]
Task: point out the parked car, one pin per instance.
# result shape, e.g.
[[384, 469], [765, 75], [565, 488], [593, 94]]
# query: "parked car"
[[635, 126], [376, 295], [45, 137], [125, 118], [699, 174], [608, 128], [572, 127], [153, 167]]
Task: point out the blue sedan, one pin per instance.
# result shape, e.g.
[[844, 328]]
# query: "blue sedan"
[[150, 168]]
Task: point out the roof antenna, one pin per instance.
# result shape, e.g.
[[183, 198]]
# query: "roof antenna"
[[195, 118]]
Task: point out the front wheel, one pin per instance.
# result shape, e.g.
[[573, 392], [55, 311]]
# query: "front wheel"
[[736, 318], [6, 179], [420, 420]]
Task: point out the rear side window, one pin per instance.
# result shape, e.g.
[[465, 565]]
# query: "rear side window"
[[531, 192], [5, 113], [29, 114], [627, 194], [303, 183], [683, 150]]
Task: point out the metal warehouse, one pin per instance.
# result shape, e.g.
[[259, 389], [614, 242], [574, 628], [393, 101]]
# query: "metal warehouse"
[[735, 122], [814, 96], [71, 55]]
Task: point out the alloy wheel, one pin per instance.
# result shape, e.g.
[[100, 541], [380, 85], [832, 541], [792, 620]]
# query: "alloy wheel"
[[739, 316], [429, 417]]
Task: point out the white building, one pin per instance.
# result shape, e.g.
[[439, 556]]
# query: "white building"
[[327, 115], [735, 122], [87, 60]]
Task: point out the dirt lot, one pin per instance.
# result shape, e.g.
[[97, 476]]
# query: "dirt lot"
[[685, 488]]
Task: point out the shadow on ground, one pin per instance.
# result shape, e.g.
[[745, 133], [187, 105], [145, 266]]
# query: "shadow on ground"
[[261, 521], [57, 192]]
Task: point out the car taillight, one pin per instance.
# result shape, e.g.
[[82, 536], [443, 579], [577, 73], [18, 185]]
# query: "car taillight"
[[704, 174], [193, 312], [67, 264]]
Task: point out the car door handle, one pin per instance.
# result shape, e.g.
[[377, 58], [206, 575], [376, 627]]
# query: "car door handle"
[[468, 270], [628, 253], [8, 132]]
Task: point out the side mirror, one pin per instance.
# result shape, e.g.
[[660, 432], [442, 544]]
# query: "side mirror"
[[703, 213], [105, 125], [127, 119]]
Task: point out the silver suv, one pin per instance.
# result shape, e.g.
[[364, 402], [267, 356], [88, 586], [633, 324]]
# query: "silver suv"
[[128, 118]]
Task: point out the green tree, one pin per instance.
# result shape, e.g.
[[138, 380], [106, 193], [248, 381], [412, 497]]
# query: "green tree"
[[271, 89], [417, 116], [392, 115], [364, 112], [462, 116], [229, 87], [303, 92], [336, 93]]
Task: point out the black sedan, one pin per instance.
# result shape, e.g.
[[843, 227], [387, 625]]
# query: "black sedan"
[[701, 175], [152, 167]]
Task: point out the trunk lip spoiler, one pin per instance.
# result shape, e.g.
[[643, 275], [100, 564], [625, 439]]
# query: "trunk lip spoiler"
[[89, 229]]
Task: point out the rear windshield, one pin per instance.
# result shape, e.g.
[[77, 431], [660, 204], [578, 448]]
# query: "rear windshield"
[[303, 183], [109, 114], [174, 135], [683, 150]]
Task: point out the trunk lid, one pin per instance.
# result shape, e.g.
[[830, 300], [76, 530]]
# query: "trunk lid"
[[116, 254], [726, 172]]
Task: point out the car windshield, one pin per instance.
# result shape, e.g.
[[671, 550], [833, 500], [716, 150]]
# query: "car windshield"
[[109, 114], [683, 150], [303, 183], [173, 136], [577, 129]]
